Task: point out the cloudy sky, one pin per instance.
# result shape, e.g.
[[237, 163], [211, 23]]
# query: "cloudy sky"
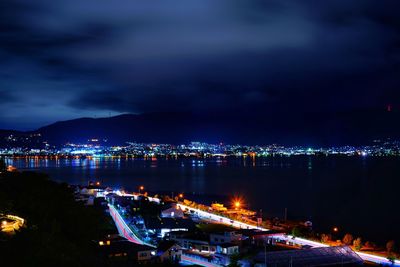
[[71, 58]]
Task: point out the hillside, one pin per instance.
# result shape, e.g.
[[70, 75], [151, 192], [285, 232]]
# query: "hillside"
[[230, 127]]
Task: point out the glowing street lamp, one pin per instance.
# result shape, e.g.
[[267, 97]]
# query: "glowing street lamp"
[[181, 195], [335, 229], [141, 188], [237, 204], [4, 223]]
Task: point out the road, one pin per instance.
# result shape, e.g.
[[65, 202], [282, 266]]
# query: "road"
[[300, 241]]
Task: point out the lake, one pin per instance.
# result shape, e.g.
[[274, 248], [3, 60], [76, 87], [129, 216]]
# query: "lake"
[[360, 195]]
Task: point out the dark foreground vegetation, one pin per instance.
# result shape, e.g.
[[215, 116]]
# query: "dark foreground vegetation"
[[58, 231]]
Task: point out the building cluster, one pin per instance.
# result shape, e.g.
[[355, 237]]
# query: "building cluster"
[[94, 147]]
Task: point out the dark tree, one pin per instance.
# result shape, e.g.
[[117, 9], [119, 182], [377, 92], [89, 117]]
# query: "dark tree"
[[390, 245], [357, 243], [325, 238], [2, 165], [347, 239]]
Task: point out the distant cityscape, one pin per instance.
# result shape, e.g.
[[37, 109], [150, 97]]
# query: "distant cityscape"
[[32, 145]]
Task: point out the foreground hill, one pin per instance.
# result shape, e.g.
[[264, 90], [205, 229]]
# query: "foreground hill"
[[58, 231]]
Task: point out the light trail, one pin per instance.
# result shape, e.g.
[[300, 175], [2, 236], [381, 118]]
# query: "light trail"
[[124, 229], [221, 219]]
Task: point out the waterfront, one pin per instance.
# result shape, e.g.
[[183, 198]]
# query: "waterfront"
[[355, 193]]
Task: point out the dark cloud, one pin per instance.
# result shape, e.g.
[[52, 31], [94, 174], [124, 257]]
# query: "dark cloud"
[[75, 58], [6, 97]]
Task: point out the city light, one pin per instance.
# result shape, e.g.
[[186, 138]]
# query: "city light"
[[335, 229], [198, 149]]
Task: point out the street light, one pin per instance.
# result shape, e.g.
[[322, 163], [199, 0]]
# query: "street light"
[[181, 195], [141, 188], [335, 229], [237, 204]]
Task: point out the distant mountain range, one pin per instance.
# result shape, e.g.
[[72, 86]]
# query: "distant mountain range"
[[251, 127]]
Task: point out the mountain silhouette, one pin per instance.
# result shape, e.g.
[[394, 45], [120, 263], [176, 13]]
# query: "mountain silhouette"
[[250, 127]]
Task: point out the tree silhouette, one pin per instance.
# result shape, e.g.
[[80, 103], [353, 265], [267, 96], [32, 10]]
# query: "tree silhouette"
[[347, 239], [390, 245], [59, 231], [325, 238], [2, 165], [357, 243]]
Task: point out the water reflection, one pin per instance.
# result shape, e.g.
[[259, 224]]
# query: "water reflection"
[[152, 162]]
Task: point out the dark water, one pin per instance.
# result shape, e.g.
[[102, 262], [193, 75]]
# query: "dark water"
[[359, 195]]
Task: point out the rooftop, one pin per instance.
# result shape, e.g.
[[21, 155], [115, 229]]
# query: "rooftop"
[[168, 223], [165, 245], [312, 257], [119, 246]]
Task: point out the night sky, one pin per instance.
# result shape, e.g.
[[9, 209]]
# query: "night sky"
[[67, 59]]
